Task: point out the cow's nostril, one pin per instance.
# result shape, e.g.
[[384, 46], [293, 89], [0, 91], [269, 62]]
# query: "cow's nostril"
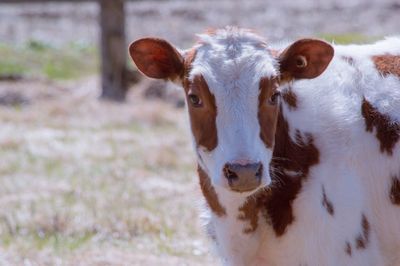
[[235, 171], [259, 171], [229, 174]]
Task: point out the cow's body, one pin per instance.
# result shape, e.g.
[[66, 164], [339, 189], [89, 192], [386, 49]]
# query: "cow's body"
[[347, 211], [353, 112], [332, 192]]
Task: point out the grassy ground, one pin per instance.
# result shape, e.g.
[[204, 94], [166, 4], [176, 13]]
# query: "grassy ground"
[[39, 59], [347, 38], [86, 182]]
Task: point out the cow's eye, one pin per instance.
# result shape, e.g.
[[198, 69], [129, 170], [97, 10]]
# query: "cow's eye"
[[195, 100], [274, 98]]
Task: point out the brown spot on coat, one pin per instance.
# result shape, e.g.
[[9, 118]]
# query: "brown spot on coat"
[[202, 119], [290, 99], [297, 155], [387, 131], [209, 193], [363, 238], [395, 191], [267, 113], [327, 203], [387, 64], [251, 209], [348, 248]]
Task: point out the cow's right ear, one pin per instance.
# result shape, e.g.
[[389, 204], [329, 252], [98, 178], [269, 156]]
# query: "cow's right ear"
[[156, 58]]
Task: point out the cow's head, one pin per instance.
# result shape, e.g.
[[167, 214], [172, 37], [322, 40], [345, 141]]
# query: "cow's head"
[[231, 79]]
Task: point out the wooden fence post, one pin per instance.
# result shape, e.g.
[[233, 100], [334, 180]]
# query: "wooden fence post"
[[114, 73]]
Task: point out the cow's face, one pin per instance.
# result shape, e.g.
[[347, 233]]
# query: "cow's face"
[[231, 81]]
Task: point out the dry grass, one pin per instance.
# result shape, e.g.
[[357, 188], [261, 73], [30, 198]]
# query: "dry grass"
[[86, 182]]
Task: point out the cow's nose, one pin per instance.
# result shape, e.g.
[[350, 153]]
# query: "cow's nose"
[[243, 177]]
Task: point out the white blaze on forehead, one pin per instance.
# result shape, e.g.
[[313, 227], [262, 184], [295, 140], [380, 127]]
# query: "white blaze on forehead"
[[231, 55], [233, 61]]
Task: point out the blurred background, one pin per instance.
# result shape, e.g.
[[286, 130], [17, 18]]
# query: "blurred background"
[[96, 165]]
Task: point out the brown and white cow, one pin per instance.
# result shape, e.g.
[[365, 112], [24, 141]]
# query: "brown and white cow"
[[297, 168]]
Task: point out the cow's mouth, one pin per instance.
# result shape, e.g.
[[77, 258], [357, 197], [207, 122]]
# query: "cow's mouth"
[[245, 185]]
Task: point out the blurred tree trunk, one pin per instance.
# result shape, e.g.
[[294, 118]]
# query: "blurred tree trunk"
[[114, 73]]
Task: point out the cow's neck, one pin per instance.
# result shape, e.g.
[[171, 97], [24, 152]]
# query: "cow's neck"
[[233, 222]]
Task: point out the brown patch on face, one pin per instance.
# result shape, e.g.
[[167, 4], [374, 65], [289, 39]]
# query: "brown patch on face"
[[387, 64], [267, 113], [209, 193], [327, 203], [395, 191], [348, 248], [202, 119], [387, 132], [363, 238], [290, 99], [295, 156]]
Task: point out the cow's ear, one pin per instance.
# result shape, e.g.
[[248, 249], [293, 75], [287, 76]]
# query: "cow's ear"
[[156, 58], [305, 59]]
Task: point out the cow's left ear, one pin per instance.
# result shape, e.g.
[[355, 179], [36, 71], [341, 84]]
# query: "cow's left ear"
[[305, 59]]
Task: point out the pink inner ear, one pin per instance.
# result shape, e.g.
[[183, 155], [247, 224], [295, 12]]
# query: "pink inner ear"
[[156, 58]]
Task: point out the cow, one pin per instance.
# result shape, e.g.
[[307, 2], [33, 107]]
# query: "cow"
[[297, 145]]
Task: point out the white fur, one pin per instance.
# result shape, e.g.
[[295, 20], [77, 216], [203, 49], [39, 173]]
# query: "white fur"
[[355, 174], [232, 62]]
